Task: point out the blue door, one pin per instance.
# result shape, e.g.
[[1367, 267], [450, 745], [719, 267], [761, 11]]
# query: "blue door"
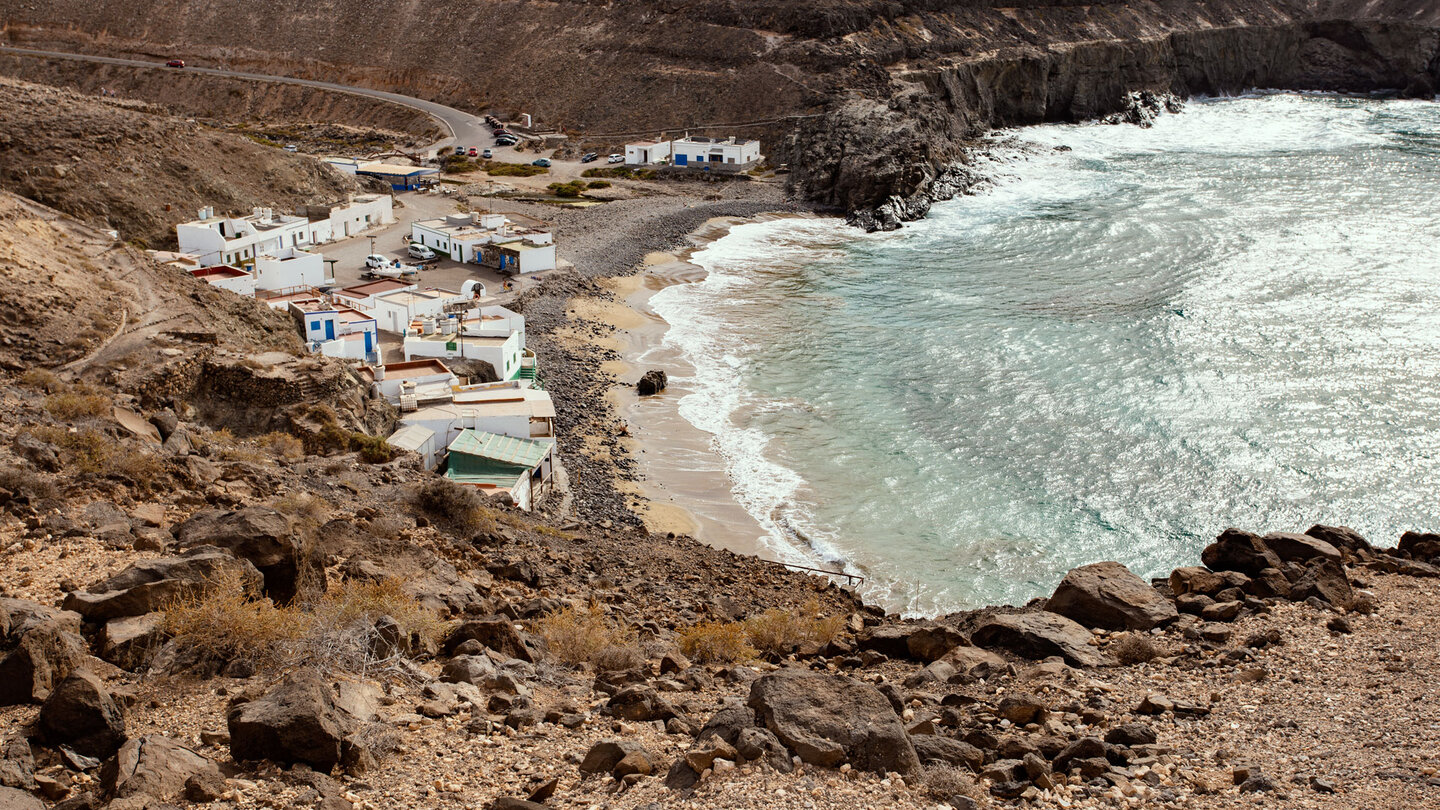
[[329, 330], [369, 341], [681, 160]]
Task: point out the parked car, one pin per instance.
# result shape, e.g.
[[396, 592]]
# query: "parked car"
[[543, 163], [290, 147], [375, 260], [473, 152], [506, 141], [175, 63], [419, 251], [459, 150], [589, 157], [487, 154], [615, 159]]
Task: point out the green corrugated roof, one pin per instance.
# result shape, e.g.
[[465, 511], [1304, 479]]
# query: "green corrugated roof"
[[507, 450]]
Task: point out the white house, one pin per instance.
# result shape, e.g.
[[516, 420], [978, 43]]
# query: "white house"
[[643, 153], [510, 243], [362, 296], [414, 383], [492, 320], [418, 440], [507, 409], [335, 330], [289, 268], [493, 463], [227, 278], [396, 311], [237, 240], [730, 155], [504, 354]]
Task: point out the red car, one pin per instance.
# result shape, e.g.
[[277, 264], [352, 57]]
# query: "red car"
[[473, 152], [175, 63]]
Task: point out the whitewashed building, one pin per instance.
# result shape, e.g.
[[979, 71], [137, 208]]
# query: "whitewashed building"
[[362, 296], [288, 269], [504, 354], [335, 330], [398, 311], [730, 154], [509, 243], [238, 240], [227, 278], [644, 153], [419, 382], [507, 409]]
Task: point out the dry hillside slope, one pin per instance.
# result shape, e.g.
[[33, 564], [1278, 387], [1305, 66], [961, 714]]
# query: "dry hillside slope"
[[132, 168]]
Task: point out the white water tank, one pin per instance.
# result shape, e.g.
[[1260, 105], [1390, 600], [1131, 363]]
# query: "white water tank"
[[427, 326], [449, 326]]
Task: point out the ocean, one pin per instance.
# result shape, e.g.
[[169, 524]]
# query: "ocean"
[[1133, 339]]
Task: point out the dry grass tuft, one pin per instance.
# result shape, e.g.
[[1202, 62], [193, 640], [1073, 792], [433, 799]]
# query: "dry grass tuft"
[[586, 635], [41, 380], [716, 643], [334, 631], [779, 630], [455, 506], [282, 446], [78, 402], [1134, 648], [91, 452], [945, 782]]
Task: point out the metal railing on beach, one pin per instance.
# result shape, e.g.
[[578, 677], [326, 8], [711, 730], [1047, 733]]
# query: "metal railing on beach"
[[850, 579]]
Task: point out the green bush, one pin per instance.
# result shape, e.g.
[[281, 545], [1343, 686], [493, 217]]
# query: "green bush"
[[513, 169], [599, 184], [574, 188]]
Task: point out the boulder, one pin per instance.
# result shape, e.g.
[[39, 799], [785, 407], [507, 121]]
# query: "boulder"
[[12, 799], [1021, 708], [761, 744], [81, 713], [606, 754], [1421, 546], [1197, 580], [1349, 541], [1038, 636], [296, 721], [974, 662], [1109, 595], [727, 724], [1238, 550], [43, 655], [1326, 580], [639, 703], [831, 719], [499, 634], [263, 536], [1131, 734], [472, 669], [17, 763], [651, 383], [148, 585], [153, 765], [1299, 548], [930, 642], [932, 748]]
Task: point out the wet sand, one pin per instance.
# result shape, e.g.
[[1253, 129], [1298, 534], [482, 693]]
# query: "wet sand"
[[684, 484]]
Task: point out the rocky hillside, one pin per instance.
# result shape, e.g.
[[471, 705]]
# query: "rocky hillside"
[[893, 88], [131, 168]]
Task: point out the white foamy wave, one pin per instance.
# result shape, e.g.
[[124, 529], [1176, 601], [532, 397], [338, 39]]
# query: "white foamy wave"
[[720, 400]]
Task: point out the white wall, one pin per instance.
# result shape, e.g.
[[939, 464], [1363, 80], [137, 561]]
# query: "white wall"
[[240, 285], [537, 259], [289, 268]]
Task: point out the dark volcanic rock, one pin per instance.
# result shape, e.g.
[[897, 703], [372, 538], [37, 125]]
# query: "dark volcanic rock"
[[831, 719], [1040, 635], [1109, 595], [1237, 550], [932, 748], [148, 585], [639, 702], [153, 765], [44, 653], [1349, 541], [81, 713], [1299, 548], [1420, 545], [653, 382], [296, 721], [1326, 580], [265, 538], [498, 634]]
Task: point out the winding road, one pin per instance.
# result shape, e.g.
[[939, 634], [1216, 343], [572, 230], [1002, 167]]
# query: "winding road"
[[464, 127]]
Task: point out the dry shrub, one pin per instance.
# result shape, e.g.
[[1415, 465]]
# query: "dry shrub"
[[387, 526], [1134, 648], [233, 622], [94, 453], [26, 483], [41, 380], [780, 630], [944, 782], [282, 446], [77, 402], [716, 643], [306, 508], [333, 631], [619, 658], [456, 506], [372, 449], [586, 635]]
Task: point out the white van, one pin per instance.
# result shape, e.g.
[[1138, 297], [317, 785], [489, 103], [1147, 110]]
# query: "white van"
[[419, 251]]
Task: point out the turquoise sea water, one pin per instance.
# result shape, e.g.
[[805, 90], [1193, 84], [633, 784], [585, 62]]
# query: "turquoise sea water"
[[1126, 345]]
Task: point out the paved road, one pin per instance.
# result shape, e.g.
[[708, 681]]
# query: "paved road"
[[464, 128]]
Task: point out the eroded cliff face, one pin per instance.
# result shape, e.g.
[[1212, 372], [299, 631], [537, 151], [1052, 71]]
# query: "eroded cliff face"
[[870, 102]]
